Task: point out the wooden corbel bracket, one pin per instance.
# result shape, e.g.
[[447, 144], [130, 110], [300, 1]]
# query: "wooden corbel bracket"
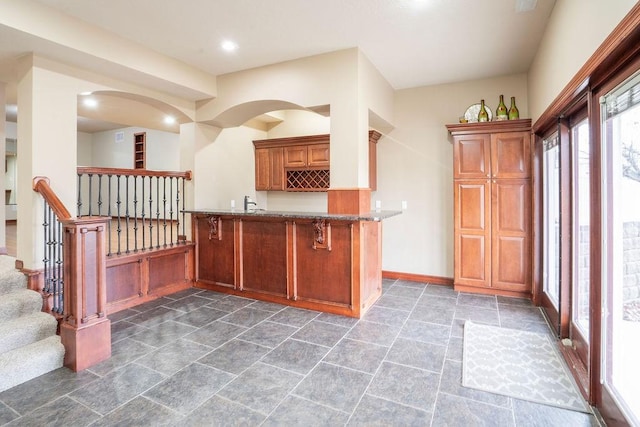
[[321, 234], [215, 227]]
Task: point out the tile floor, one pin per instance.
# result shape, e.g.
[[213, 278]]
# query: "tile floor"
[[199, 358]]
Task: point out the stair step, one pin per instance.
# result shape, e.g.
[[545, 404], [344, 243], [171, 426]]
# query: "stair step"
[[22, 364], [19, 303], [26, 330], [11, 280]]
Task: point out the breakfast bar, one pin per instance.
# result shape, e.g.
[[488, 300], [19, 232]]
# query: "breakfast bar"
[[319, 261]]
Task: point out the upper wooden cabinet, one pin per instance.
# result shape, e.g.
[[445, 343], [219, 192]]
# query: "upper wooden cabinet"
[[473, 156], [303, 156], [301, 163], [510, 155], [494, 154], [269, 170]]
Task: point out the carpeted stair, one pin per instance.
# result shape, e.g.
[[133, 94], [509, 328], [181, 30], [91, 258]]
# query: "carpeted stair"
[[29, 346]]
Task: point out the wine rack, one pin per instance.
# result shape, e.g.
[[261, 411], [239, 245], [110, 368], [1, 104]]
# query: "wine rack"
[[308, 180]]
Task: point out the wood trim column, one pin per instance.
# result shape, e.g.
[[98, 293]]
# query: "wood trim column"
[[85, 329], [349, 201]]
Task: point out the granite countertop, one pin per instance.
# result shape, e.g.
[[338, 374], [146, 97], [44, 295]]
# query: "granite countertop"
[[371, 216]]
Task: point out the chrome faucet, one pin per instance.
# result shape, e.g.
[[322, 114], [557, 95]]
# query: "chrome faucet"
[[247, 202]]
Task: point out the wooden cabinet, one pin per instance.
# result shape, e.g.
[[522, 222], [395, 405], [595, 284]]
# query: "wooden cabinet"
[[492, 207], [293, 164], [269, 169], [307, 156], [301, 163], [327, 263]]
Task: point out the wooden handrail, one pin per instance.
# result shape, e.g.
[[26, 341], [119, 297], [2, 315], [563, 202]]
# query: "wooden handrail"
[[85, 170], [41, 185]]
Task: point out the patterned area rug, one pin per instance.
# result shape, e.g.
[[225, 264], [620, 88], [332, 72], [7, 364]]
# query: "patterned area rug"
[[519, 364]]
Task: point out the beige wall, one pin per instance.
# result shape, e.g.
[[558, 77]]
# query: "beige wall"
[[575, 30], [225, 165], [85, 149], [224, 169], [162, 149], [415, 165]]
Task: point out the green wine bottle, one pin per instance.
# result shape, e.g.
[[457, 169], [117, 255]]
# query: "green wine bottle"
[[514, 114], [483, 116], [501, 111]]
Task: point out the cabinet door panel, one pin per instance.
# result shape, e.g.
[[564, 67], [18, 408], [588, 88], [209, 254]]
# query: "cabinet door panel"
[[215, 257], [262, 169], [511, 206], [510, 156], [472, 240], [276, 159], [472, 259], [264, 257], [318, 155], [510, 266], [320, 272], [296, 156], [472, 157]]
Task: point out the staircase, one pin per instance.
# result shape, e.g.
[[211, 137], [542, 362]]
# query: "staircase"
[[29, 346]]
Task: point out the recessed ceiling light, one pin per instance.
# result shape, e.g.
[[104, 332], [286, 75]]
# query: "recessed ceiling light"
[[169, 120], [85, 93], [229, 46], [90, 102]]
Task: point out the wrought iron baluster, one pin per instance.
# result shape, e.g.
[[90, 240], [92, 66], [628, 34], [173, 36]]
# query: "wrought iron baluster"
[[79, 195], [90, 196], [60, 268], [135, 214], [45, 260], [53, 251], [126, 213], [150, 212], [170, 211], [109, 212], [183, 213], [164, 210], [157, 213], [118, 202], [99, 194], [142, 213]]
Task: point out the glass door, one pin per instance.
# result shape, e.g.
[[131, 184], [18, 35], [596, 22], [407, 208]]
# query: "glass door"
[[551, 228], [581, 148], [579, 307], [621, 246]]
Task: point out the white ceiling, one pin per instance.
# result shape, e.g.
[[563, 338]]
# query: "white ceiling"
[[411, 42]]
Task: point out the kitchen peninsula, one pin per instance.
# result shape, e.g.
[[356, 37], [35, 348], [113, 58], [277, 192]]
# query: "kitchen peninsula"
[[320, 261]]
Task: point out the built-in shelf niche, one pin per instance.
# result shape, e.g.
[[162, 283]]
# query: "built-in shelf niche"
[[139, 150]]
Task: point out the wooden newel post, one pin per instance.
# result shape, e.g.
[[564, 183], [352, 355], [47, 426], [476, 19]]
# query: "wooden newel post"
[[85, 329]]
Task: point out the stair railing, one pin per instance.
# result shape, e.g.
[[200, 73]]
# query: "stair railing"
[[146, 207], [54, 213], [75, 275]]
